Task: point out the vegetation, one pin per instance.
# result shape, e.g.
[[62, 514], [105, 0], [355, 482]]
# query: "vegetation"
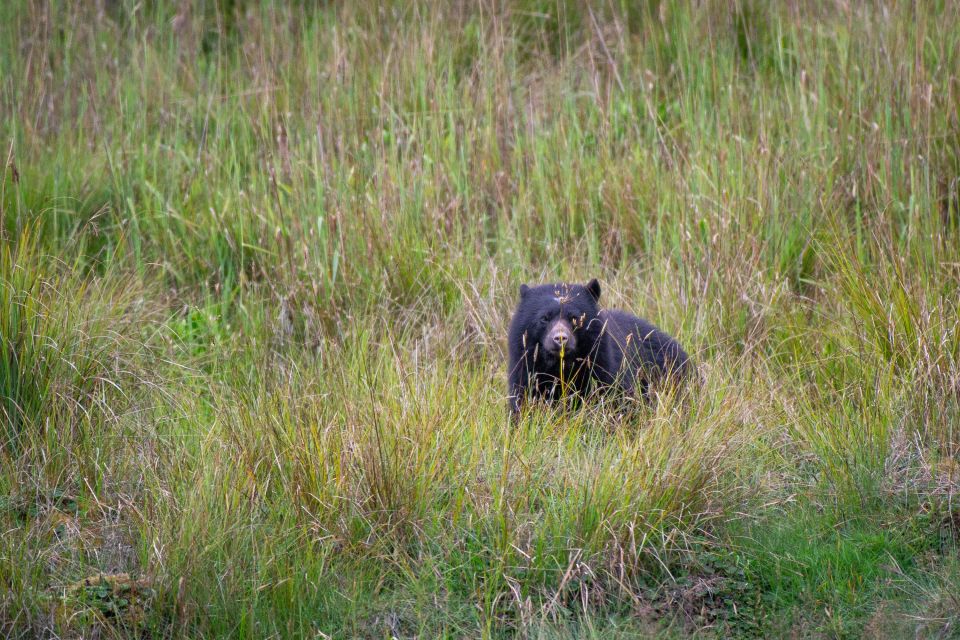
[[258, 262]]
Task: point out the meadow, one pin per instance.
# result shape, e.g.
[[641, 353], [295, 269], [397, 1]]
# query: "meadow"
[[257, 262]]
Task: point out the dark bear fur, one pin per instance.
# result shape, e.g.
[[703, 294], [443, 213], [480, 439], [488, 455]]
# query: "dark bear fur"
[[562, 324]]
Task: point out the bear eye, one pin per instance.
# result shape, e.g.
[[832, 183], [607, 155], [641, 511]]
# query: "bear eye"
[[545, 318]]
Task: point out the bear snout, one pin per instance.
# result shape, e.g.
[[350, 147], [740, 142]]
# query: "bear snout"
[[559, 337]]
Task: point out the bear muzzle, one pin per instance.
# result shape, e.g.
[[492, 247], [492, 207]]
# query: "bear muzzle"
[[559, 338]]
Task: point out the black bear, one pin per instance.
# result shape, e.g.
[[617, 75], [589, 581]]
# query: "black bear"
[[562, 344]]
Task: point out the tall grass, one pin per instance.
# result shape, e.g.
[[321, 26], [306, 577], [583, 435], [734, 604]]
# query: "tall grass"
[[65, 338], [258, 261]]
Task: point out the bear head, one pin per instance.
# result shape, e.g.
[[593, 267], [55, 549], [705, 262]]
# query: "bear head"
[[559, 320]]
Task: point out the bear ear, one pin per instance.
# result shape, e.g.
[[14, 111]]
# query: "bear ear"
[[524, 290], [593, 287]]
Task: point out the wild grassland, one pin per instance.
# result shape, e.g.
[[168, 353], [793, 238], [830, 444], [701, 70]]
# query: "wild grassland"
[[257, 265]]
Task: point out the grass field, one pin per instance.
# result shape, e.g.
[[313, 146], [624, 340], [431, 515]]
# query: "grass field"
[[258, 262]]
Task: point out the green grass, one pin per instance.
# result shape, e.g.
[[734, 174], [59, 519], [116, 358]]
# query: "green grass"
[[258, 262]]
